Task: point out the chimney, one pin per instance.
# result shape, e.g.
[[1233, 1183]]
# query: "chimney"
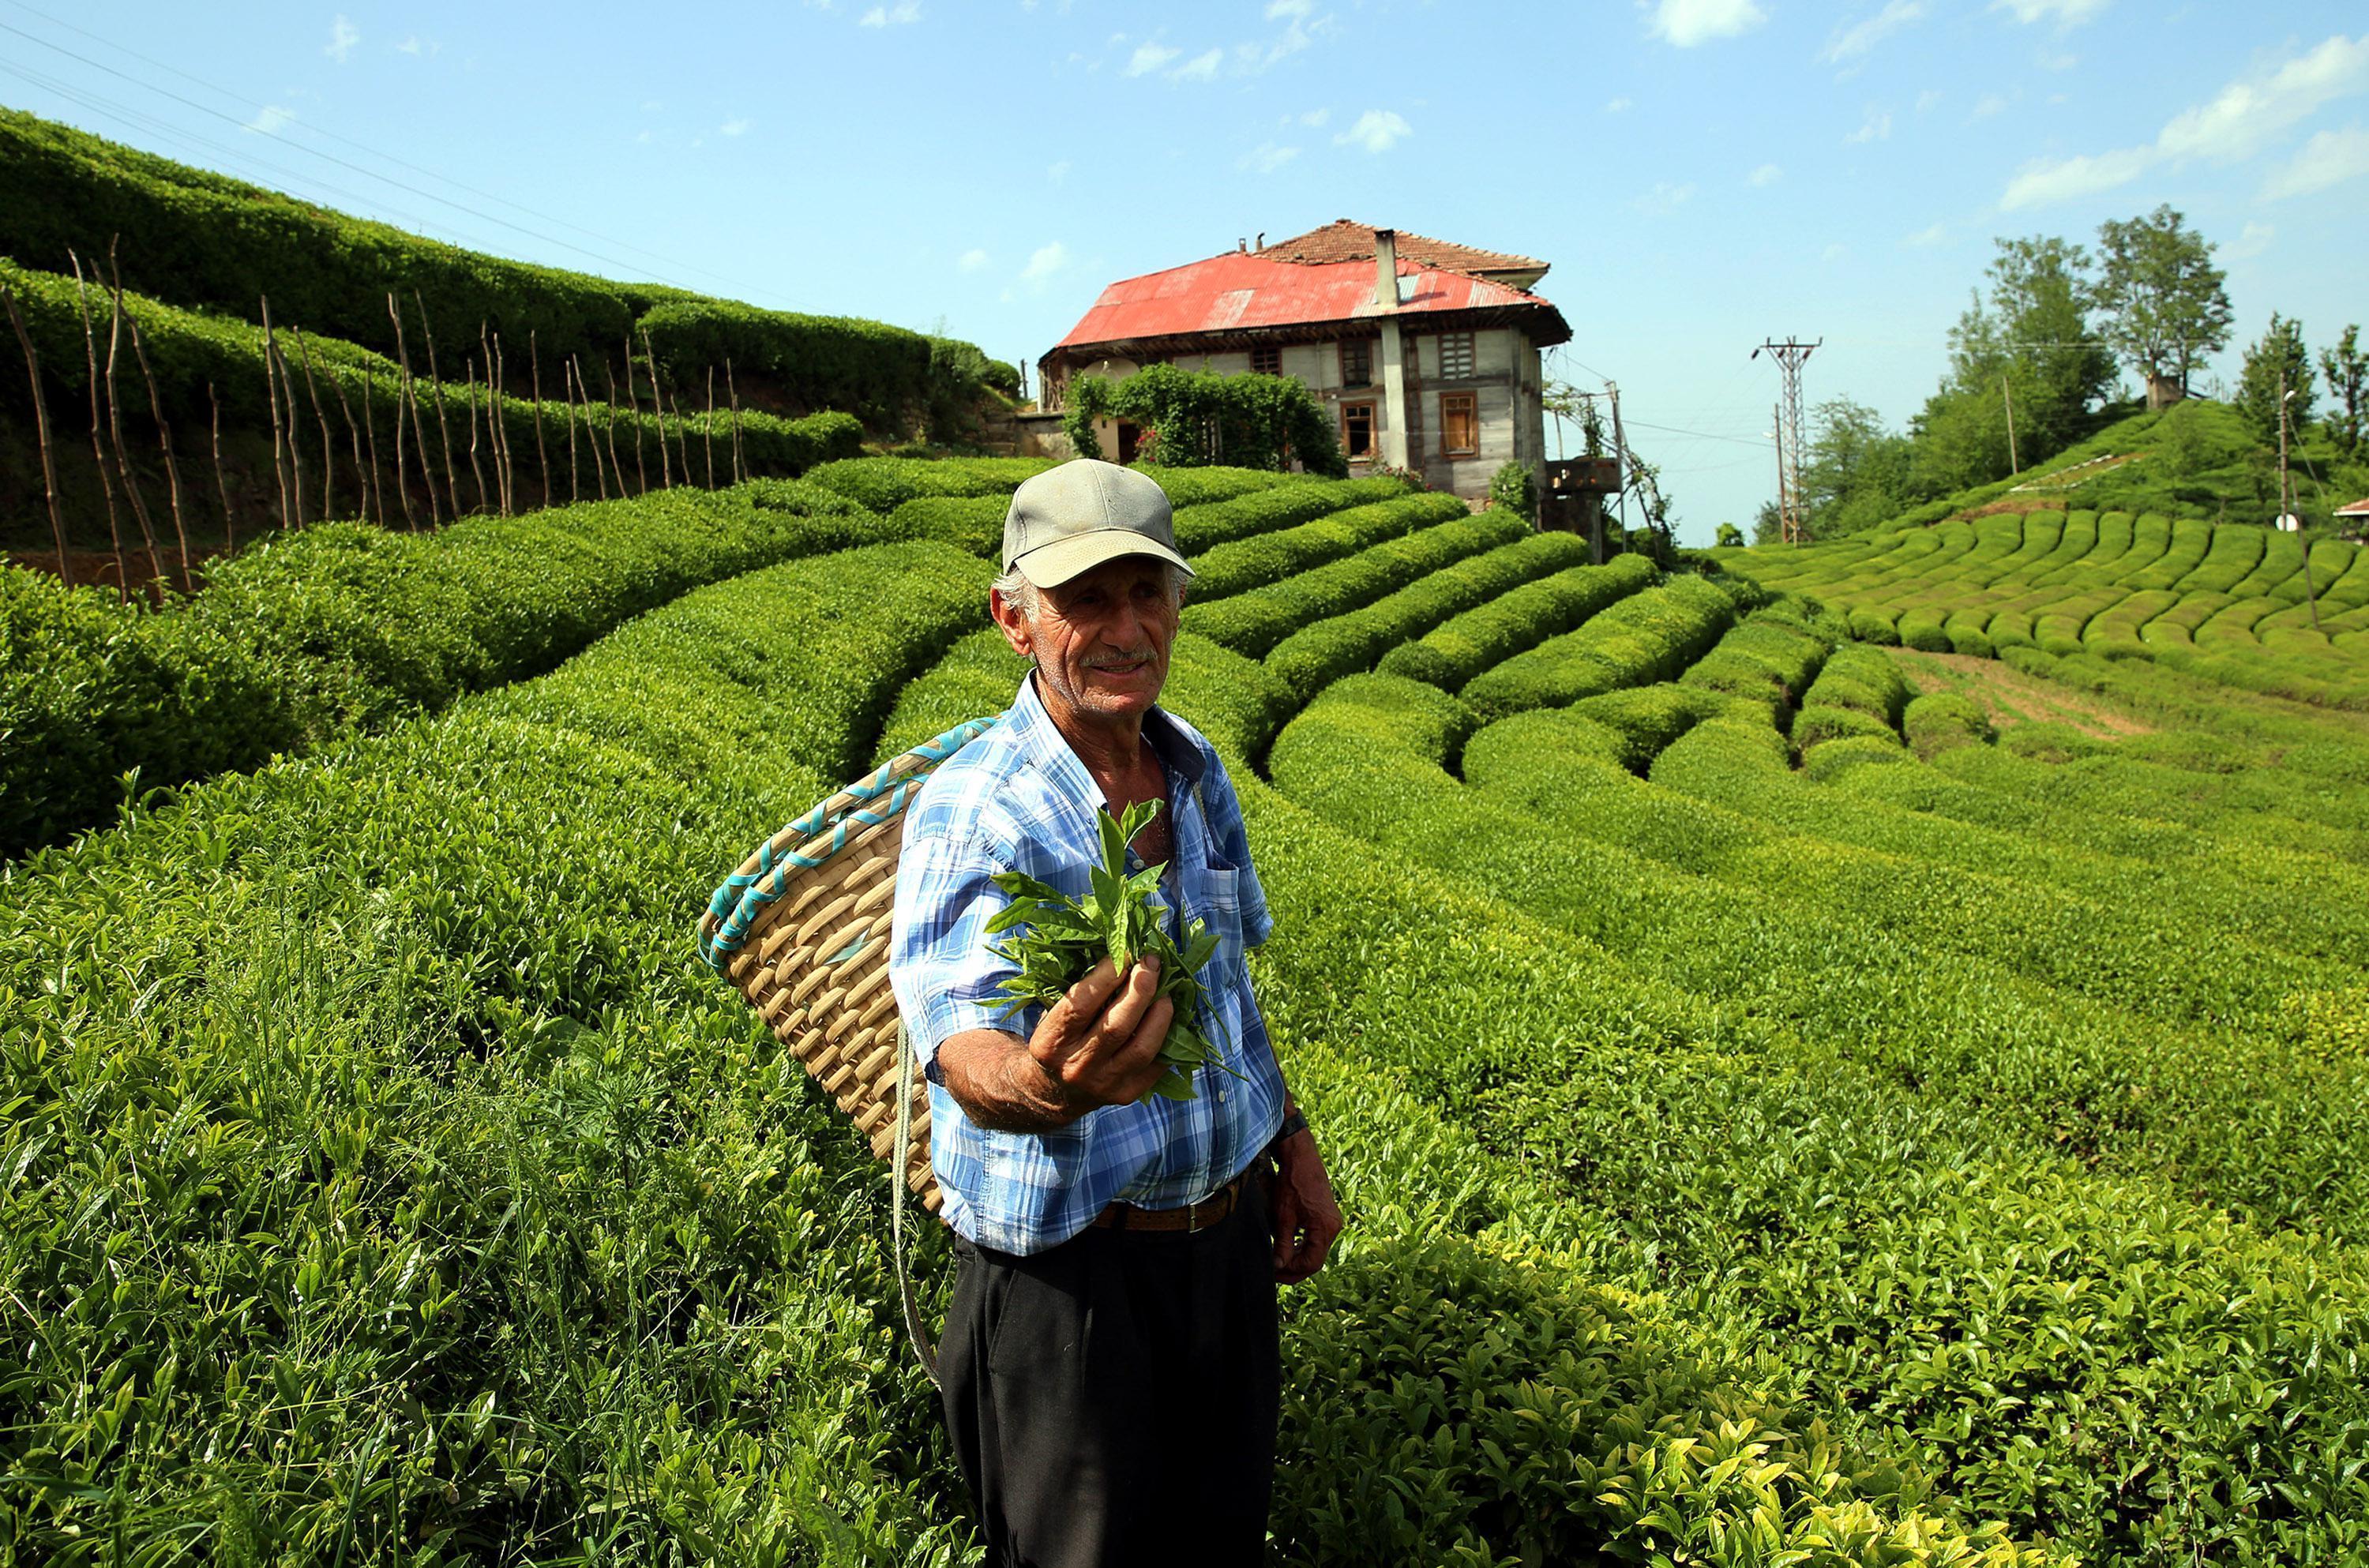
[[1386, 268]]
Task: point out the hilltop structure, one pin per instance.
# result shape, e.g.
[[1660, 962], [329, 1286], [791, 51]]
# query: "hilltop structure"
[[1427, 352]]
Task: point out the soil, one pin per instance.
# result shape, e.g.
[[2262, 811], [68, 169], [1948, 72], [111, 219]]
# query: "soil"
[[2011, 697]]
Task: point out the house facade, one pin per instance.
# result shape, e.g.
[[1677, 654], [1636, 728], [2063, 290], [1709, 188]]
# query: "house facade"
[[1425, 353]]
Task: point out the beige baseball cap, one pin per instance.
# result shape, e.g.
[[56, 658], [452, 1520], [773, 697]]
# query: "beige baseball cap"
[[1071, 519]]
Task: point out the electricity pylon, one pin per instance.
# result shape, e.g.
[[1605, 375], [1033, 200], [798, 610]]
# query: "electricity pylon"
[[1791, 510]]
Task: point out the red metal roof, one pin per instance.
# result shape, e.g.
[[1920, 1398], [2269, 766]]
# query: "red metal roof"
[[1238, 291], [2358, 508]]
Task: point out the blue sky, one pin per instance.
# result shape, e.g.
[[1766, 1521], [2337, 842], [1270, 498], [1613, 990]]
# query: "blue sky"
[[1701, 174]]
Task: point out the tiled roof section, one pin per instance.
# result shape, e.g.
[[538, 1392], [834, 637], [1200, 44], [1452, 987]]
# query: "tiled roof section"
[[1346, 239], [1234, 291]]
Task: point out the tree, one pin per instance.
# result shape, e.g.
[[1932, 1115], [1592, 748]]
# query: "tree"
[[2278, 364], [2162, 300], [1728, 536], [2346, 368], [1768, 525], [2045, 344], [1854, 473]]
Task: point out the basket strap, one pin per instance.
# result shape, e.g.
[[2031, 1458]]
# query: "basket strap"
[[921, 1345]]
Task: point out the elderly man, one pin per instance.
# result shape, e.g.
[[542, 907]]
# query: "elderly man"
[[1109, 1367]]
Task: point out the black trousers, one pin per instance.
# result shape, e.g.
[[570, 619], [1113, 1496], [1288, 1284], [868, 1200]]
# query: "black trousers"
[[1113, 1399]]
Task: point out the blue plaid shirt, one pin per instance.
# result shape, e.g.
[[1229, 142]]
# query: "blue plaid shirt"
[[1018, 799]]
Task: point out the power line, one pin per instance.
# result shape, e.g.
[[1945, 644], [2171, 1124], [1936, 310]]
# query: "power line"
[[603, 259]]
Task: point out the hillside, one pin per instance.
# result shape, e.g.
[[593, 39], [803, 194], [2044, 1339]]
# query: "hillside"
[[2195, 458], [290, 346], [1763, 1068]]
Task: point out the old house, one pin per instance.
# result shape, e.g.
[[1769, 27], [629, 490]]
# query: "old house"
[[1426, 353]]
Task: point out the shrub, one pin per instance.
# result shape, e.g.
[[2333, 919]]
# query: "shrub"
[[1199, 417], [1827, 762], [1244, 564], [883, 483], [1940, 721], [1253, 622], [1511, 490], [1650, 636], [1210, 523]]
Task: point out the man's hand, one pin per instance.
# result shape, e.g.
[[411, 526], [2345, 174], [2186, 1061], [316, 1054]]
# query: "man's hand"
[[1098, 1046], [1307, 1215]]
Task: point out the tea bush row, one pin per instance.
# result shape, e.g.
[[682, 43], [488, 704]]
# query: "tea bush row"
[[1649, 636], [1316, 655], [390, 1183], [308, 633], [1254, 620], [1203, 525], [1452, 654], [1242, 563]]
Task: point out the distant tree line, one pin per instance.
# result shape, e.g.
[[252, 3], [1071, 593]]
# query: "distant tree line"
[[2034, 367]]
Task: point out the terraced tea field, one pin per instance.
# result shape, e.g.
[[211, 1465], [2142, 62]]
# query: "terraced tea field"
[[1798, 1098]]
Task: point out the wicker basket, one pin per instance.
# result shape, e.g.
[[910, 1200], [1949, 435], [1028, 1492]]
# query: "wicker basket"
[[802, 929]]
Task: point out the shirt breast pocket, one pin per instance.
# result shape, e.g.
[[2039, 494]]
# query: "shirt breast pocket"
[[1221, 908]]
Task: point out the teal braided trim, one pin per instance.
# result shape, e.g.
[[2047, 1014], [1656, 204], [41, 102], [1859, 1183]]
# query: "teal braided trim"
[[746, 895]]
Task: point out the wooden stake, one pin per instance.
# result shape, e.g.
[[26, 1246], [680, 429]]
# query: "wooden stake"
[[115, 428], [567, 387], [404, 397], [370, 419], [295, 442], [658, 407], [739, 462], [490, 348], [353, 433], [633, 407], [328, 451], [502, 430], [542, 458], [615, 466], [681, 433], [443, 430], [707, 426], [473, 468], [222, 486], [164, 436], [271, 390], [98, 441], [41, 420]]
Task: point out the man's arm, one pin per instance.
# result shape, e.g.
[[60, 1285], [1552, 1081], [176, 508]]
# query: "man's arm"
[[1098, 1046], [1307, 1215]]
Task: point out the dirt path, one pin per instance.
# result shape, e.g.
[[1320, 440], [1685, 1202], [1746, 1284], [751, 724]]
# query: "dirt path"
[[2011, 697]]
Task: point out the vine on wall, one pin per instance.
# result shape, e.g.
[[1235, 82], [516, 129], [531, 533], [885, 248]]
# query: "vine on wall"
[[1198, 418]]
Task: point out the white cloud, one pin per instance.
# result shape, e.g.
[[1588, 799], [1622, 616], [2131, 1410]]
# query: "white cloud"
[[1202, 67], [269, 119], [1876, 127], [643, 137], [1376, 130], [2058, 60], [735, 127], [2329, 158], [1057, 172], [1150, 57], [1266, 157], [1686, 23], [1834, 252], [2245, 115], [972, 261], [1766, 174], [1855, 40], [415, 45], [1929, 100], [1278, 10], [1620, 106], [343, 36], [2254, 240], [1988, 105], [1663, 199], [2064, 13], [2241, 120], [905, 13], [1931, 234], [1315, 116], [2063, 179], [1043, 263]]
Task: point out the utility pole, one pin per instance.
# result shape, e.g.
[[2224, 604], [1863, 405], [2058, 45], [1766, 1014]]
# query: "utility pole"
[[2014, 466], [1791, 509], [1619, 451], [2287, 503]]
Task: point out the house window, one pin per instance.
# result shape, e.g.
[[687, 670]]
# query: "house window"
[[1266, 359], [1357, 362], [1357, 429], [1455, 355], [1459, 422]]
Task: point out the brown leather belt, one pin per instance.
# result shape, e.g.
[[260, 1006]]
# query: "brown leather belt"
[[1192, 1216]]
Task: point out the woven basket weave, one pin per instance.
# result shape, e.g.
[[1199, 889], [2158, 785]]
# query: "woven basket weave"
[[802, 929]]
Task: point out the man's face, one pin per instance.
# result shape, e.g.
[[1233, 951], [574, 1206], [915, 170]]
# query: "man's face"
[[1100, 640]]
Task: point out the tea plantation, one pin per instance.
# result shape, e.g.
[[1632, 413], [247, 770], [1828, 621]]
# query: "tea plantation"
[[1851, 1055]]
